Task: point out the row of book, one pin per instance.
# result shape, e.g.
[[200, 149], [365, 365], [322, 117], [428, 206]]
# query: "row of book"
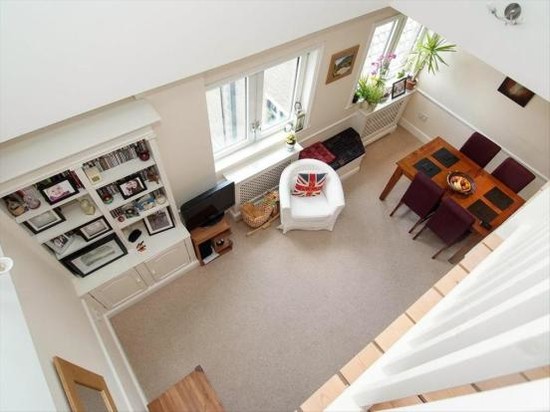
[[118, 157]]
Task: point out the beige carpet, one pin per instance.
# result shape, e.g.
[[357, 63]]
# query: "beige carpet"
[[276, 317]]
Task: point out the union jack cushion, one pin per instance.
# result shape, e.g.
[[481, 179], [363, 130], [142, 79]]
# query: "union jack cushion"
[[309, 184]]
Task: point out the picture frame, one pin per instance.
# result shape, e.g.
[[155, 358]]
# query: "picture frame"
[[57, 191], [158, 222], [95, 256], [61, 243], [93, 229], [399, 88], [341, 64], [515, 91], [131, 186], [45, 220]]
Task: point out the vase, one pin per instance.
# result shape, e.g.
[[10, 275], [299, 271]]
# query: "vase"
[[290, 147], [410, 84]]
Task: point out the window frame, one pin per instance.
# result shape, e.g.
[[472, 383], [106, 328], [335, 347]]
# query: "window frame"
[[400, 21], [254, 79]]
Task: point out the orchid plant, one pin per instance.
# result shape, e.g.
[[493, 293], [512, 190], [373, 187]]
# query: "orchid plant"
[[381, 68]]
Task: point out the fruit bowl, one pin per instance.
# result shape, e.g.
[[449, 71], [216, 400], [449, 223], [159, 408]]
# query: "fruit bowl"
[[461, 183]]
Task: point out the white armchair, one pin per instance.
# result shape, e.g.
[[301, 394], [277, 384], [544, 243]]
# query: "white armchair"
[[310, 213]]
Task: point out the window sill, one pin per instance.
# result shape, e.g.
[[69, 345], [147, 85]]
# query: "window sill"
[[263, 147]]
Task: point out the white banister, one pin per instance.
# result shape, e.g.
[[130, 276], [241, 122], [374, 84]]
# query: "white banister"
[[525, 347], [494, 323], [520, 309], [464, 310], [530, 396]]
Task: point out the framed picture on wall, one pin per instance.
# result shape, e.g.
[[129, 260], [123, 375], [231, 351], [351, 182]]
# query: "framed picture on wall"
[[341, 64], [516, 92], [131, 186]]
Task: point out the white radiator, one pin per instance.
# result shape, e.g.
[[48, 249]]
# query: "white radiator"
[[259, 177], [382, 121]]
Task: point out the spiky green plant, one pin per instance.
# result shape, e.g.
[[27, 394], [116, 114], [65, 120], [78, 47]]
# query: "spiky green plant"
[[369, 90], [428, 53]]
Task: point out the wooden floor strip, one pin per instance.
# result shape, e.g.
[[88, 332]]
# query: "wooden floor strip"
[[475, 256], [324, 395], [360, 362]]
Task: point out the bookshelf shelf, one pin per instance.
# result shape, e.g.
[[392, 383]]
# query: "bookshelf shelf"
[[44, 207], [123, 170], [118, 201], [142, 215], [79, 243]]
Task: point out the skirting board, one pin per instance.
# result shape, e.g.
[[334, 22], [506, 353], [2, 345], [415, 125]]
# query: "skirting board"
[[415, 131], [379, 135]]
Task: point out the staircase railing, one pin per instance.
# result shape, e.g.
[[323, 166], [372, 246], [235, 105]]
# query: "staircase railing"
[[495, 322]]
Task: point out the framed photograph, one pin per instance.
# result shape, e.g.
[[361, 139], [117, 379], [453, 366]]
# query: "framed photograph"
[[516, 92], [45, 220], [341, 64], [159, 222], [94, 257], [398, 88], [131, 186], [61, 243], [55, 192], [94, 228]]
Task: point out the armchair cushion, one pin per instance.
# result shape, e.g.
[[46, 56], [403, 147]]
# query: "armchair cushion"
[[309, 183], [309, 208]]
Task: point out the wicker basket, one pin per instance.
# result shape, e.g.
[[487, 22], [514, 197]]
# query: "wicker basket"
[[255, 215]]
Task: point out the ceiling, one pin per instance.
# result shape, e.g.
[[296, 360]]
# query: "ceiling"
[[61, 59]]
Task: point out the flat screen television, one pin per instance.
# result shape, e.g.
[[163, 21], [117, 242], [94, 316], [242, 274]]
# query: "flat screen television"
[[209, 207]]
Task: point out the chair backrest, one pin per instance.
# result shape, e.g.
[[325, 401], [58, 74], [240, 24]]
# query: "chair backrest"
[[513, 174], [422, 195], [450, 221], [480, 149]]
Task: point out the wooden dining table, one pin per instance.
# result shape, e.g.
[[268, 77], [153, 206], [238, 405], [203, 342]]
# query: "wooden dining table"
[[491, 203]]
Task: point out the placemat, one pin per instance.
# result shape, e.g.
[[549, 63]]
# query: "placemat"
[[428, 167], [498, 198], [482, 211], [445, 157]]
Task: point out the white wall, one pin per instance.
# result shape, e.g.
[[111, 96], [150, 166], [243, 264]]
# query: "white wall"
[[184, 136], [60, 59], [468, 89], [54, 314], [522, 52], [20, 370]]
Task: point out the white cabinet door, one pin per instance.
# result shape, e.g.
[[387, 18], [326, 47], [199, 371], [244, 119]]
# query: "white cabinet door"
[[120, 289], [168, 261]]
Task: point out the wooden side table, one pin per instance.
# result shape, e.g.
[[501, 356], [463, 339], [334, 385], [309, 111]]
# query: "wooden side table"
[[217, 237]]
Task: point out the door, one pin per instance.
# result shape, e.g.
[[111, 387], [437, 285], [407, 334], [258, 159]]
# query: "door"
[[168, 262], [120, 289]]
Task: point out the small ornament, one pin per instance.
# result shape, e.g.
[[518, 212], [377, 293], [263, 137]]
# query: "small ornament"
[[160, 199], [107, 198], [152, 175], [29, 198], [15, 206], [87, 207], [121, 218], [144, 155]]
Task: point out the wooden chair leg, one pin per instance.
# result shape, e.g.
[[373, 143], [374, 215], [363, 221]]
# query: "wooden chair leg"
[[419, 232], [396, 207], [417, 223], [440, 250]]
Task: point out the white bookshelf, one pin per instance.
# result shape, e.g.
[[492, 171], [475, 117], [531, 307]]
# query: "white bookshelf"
[[71, 148]]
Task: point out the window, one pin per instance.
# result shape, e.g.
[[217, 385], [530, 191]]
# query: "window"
[[256, 106], [399, 36]]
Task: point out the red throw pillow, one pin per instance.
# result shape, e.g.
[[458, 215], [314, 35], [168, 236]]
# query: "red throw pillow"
[[309, 184]]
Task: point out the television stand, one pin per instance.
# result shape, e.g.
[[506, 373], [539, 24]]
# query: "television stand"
[[212, 241]]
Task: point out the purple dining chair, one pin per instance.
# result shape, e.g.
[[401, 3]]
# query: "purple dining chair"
[[450, 223], [513, 174], [422, 197], [480, 149]]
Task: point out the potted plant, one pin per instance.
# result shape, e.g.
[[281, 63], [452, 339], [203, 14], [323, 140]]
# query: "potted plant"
[[428, 53], [290, 141], [370, 91]]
